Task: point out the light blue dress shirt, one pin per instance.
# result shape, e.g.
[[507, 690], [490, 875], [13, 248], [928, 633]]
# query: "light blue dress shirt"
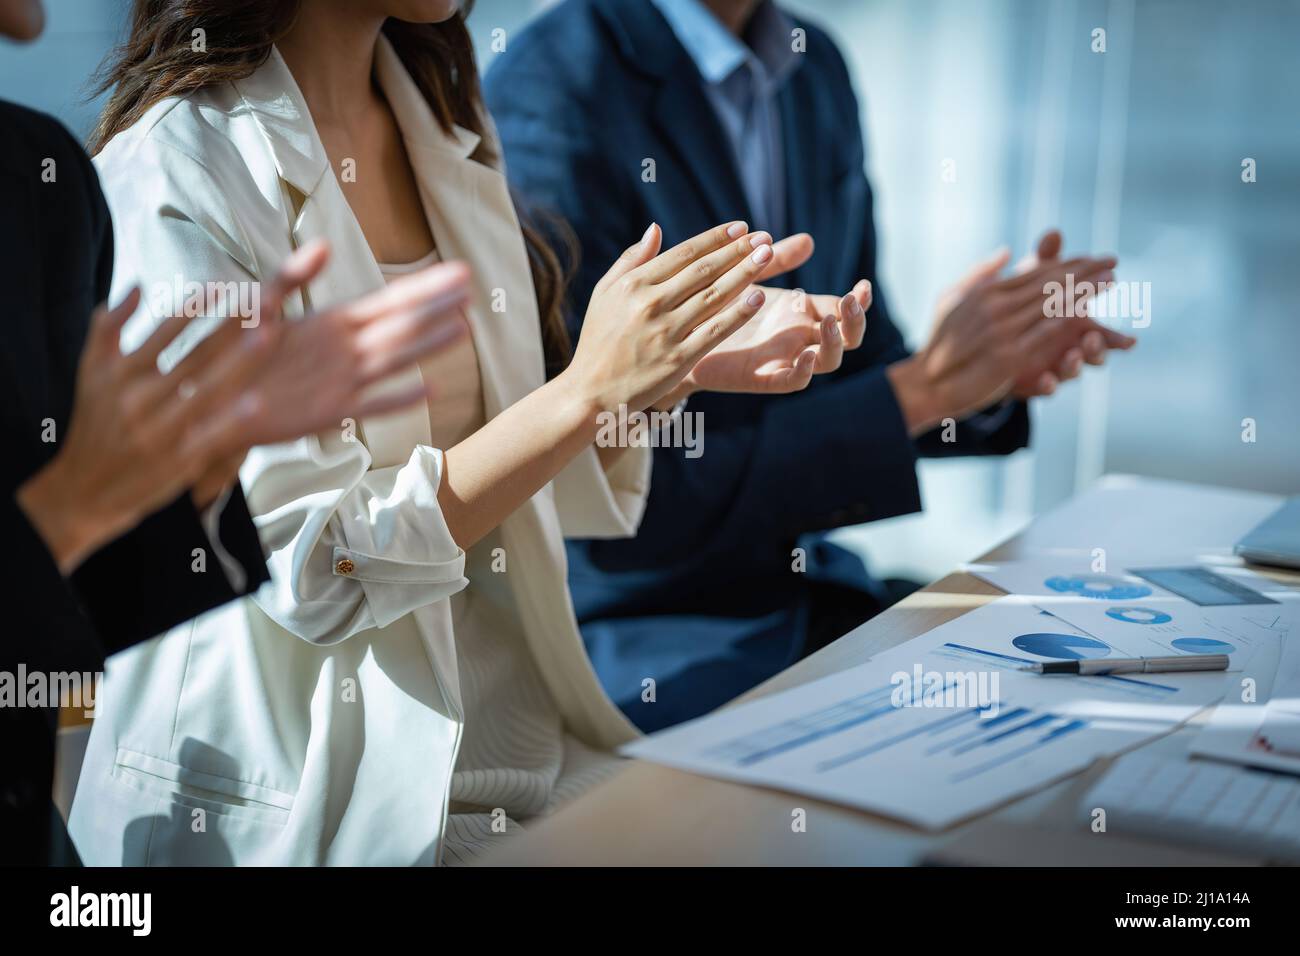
[[741, 81]]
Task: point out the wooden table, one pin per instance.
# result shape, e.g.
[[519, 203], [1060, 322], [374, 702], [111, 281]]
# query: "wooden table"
[[654, 815]]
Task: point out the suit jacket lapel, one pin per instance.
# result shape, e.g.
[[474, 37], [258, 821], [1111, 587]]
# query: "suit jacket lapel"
[[683, 116], [803, 176], [688, 124]]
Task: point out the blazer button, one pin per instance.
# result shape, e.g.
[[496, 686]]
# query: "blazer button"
[[345, 566]]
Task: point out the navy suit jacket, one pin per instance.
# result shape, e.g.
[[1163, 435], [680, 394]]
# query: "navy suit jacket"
[[704, 600]]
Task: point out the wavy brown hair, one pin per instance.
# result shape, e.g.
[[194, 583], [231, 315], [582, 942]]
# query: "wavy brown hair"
[[157, 62]]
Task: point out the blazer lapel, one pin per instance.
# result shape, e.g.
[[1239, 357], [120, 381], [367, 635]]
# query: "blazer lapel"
[[687, 123], [276, 103], [473, 219], [804, 186], [682, 115]]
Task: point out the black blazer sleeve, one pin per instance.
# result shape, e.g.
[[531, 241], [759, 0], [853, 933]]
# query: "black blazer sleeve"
[[164, 572], [58, 252]]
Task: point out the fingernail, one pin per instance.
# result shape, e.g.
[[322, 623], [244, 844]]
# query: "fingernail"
[[833, 332], [645, 237], [760, 239], [737, 229], [761, 255], [755, 299], [852, 302]]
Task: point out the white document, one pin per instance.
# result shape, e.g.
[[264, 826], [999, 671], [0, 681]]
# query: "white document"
[[1261, 730], [1070, 577], [1194, 801], [942, 727], [1170, 626]]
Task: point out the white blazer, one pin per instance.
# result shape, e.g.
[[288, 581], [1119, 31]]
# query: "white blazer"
[[318, 722]]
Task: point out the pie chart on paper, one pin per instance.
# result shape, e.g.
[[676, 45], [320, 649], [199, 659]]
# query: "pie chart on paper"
[[1202, 645], [1103, 587], [1138, 615], [1061, 647]]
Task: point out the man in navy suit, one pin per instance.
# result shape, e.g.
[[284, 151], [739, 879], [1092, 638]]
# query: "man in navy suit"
[[616, 113]]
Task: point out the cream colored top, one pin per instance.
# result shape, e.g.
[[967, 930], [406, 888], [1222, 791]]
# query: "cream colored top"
[[349, 719], [516, 761]]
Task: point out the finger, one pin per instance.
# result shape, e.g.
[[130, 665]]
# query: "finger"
[[408, 320], [225, 340], [106, 324], [645, 249], [1086, 276], [853, 316], [1046, 384], [667, 264], [1114, 339], [383, 353], [1048, 344], [794, 378], [424, 294], [303, 265], [146, 356], [1094, 347], [864, 293], [830, 351], [193, 393], [715, 297], [982, 273], [1110, 338], [1056, 271], [709, 268], [1047, 248], [226, 431], [704, 337], [1071, 365], [787, 255], [397, 400], [211, 308]]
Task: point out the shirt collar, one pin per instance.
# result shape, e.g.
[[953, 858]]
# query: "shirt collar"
[[718, 53]]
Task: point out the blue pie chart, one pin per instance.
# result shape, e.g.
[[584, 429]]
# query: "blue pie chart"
[[1103, 587], [1063, 647], [1202, 645], [1138, 615]]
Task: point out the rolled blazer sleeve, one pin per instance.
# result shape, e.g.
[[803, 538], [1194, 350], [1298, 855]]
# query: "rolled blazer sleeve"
[[350, 547], [598, 502]]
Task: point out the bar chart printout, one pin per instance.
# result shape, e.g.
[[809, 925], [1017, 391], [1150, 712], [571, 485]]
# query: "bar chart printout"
[[980, 733]]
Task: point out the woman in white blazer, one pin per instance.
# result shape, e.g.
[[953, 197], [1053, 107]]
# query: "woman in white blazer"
[[411, 683]]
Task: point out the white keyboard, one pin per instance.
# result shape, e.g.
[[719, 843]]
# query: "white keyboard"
[[1234, 809]]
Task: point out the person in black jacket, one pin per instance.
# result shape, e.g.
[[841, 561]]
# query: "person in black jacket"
[[119, 505]]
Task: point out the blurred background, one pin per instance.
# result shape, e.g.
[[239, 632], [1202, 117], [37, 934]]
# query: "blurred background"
[[1136, 151]]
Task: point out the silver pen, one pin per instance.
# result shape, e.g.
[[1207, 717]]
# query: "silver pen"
[[1133, 665]]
